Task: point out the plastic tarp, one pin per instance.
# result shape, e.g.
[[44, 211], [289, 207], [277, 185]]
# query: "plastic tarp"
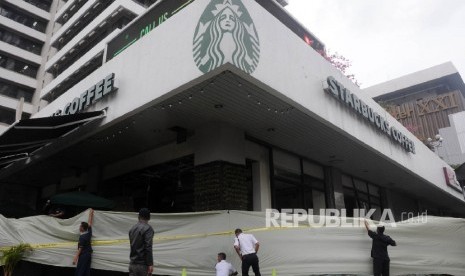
[[191, 241]]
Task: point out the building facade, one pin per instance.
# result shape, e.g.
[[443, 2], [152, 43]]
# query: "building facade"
[[24, 33], [428, 103], [222, 104]]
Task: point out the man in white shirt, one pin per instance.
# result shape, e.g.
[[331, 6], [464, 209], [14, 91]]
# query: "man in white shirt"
[[223, 268], [246, 246]]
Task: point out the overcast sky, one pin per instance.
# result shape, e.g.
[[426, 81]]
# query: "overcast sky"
[[386, 39]]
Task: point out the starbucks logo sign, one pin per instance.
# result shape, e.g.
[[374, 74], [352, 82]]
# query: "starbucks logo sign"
[[226, 33]]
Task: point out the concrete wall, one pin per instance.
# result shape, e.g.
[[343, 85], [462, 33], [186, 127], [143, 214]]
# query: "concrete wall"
[[453, 147]]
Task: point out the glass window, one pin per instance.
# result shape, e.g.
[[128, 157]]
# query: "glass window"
[[18, 66], [347, 181], [313, 169], [293, 187], [22, 18], [286, 161], [314, 193], [288, 195], [362, 197], [41, 4], [378, 212], [361, 185], [314, 183], [350, 201], [7, 116], [163, 188], [15, 91], [373, 190], [83, 72], [71, 33], [88, 44], [20, 42], [319, 201]]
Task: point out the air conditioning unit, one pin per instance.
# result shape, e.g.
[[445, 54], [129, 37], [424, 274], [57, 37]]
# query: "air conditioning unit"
[[283, 2]]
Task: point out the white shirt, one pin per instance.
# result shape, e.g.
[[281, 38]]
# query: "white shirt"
[[224, 268], [246, 243]]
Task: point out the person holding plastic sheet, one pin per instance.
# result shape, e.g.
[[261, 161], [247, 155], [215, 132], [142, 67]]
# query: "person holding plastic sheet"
[[224, 268], [247, 246], [83, 256], [141, 240], [379, 251]]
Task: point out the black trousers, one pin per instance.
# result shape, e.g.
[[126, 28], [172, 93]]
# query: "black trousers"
[[83, 265], [248, 261], [380, 267]]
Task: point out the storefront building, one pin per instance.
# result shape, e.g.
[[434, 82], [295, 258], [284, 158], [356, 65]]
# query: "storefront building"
[[223, 104]]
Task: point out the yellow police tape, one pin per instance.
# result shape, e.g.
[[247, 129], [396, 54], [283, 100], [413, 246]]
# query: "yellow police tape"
[[156, 238]]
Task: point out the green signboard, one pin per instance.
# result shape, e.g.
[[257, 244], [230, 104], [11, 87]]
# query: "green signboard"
[[157, 14]]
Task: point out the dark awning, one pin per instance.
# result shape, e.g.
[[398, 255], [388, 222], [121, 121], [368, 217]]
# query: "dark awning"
[[6, 160], [82, 199], [25, 136]]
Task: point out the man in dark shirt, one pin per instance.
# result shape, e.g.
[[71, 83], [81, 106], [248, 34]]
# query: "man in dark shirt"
[[141, 239], [83, 256], [379, 251]]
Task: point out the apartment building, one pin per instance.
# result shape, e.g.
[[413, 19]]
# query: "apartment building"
[[24, 35], [47, 46]]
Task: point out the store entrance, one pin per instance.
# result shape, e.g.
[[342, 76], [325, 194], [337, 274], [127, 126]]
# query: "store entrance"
[[163, 188]]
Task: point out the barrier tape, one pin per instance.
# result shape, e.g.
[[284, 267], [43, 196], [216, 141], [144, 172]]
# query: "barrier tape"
[[157, 238]]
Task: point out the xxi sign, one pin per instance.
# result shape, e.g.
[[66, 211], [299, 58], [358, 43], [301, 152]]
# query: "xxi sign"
[[441, 102]]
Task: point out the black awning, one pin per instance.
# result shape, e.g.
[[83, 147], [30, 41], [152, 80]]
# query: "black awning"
[[7, 160], [25, 136]]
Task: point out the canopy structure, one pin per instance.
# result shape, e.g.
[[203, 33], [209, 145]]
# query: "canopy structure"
[[191, 242], [24, 137], [83, 199]]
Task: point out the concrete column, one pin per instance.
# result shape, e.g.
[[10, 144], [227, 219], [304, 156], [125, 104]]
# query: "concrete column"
[[261, 186], [220, 173], [220, 185]]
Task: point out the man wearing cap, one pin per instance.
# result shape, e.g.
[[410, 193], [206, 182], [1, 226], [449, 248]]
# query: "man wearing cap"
[[246, 246], [379, 251], [141, 240]]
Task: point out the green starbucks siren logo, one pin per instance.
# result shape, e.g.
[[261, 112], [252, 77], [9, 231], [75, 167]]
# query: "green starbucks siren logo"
[[226, 33]]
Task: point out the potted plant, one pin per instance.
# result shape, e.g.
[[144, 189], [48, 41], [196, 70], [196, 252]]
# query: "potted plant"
[[11, 256]]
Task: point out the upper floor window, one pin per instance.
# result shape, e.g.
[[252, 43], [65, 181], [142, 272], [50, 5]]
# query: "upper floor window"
[[23, 18], [8, 116], [16, 91], [18, 66], [41, 4], [21, 42], [80, 24]]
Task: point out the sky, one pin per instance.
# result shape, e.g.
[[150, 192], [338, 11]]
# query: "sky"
[[386, 39]]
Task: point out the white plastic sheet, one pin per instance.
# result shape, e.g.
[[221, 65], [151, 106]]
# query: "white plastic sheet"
[[192, 241]]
